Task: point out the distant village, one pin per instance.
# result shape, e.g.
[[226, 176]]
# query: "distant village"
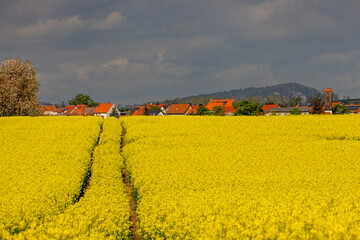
[[224, 106]]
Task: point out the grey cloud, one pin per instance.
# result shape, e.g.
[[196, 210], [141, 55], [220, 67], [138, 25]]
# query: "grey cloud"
[[134, 51], [56, 28], [112, 21]]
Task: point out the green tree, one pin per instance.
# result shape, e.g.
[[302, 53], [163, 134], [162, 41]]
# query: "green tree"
[[218, 111], [202, 110], [295, 111], [81, 99], [154, 108], [247, 108], [19, 88], [340, 109]]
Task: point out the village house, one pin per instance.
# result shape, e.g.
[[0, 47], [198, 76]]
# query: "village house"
[[353, 108], [226, 104], [286, 111], [179, 109], [47, 109], [266, 108], [194, 109], [104, 110], [220, 102], [156, 113]]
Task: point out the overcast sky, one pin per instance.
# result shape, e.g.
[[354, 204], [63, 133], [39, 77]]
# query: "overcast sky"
[[132, 51]]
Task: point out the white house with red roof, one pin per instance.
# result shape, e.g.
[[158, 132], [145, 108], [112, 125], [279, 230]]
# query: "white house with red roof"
[[104, 110]]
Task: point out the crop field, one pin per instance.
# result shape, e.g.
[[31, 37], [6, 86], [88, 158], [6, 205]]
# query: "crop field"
[[246, 177], [44, 162], [193, 177]]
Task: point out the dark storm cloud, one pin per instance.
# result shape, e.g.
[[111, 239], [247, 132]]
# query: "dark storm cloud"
[[136, 51]]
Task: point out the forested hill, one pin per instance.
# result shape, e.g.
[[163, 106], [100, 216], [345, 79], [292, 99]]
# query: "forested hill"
[[261, 93]]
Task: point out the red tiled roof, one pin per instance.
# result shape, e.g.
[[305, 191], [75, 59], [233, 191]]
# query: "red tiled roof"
[[79, 110], [328, 90], [267, 107], [140, 111], [229, 109], [194, 109], [220, 102], [103, 107], [178, 109], [48, 107], [332, 104]]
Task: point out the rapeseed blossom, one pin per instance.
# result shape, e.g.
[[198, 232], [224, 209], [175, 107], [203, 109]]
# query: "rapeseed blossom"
[[291, 177], [102, 213]]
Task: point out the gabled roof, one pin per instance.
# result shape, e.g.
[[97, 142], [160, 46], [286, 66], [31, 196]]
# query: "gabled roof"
[[229, 109], [70, 108], [78, 110], [266, 107], [48, 107], [60, 110], [103, 107], [139, 111], [194, 109], [88, 111], [220, 102], [178, 109]]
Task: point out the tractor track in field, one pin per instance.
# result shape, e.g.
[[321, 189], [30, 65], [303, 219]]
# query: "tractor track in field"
[[87, 179], [134, 220]]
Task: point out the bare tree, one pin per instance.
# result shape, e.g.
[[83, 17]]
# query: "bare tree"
[[19, 88]]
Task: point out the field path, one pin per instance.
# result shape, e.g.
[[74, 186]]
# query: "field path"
[[133, 203], [87, 178]]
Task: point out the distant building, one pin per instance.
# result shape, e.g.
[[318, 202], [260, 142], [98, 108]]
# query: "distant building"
[[267, 107], [194, 109], [219, 102], [179, 109], [286, 111], [47, 109], [155, 113], [139, 111], [354, 108], [104, 110], [328, 101]]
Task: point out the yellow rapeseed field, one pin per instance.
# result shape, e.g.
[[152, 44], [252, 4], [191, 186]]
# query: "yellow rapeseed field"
[[43, 163], [295, 177]]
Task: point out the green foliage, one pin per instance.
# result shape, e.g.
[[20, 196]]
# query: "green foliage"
[[218, 111], [340, 109], [202, 110], [81, 99], [295, 111], [19, 88], [247, 108], [154, 108]]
